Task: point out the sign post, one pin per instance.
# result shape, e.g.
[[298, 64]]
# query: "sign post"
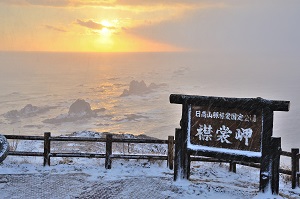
[[235, 129]]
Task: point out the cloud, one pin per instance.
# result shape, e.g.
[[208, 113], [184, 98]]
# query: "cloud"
[[107, 3], [58, 3], [55, 28], [90, 24], [159, 2], [53, 3], [243, 28], [93, 25]]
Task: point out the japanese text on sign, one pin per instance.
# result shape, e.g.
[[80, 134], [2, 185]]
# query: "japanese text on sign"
[[226, 116], [204, 132], [226, 128]]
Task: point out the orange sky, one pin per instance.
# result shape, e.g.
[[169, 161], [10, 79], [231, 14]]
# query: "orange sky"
[[77, 25], [150, 25]]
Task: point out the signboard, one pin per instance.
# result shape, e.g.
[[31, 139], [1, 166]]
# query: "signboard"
[[225, 128], [233, 129]]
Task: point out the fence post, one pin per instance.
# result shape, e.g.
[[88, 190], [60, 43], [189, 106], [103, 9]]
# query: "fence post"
[[276, 147], [265, 176], [108, 151], [178, 154], [188, 164], [171, 152], [295, 167], [47, 151], [232, 166]]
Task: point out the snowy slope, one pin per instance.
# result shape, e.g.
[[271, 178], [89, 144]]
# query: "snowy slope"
[[25, 177]]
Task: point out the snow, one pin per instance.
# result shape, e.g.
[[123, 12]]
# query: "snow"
[[221, 150], [26, 177]]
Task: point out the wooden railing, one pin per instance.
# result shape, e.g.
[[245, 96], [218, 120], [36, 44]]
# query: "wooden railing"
[[294, 172], [109, 155]]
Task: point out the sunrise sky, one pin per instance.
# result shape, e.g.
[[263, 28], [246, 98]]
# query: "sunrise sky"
[[150, 26]]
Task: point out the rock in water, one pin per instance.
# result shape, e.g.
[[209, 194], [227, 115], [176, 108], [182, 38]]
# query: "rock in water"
[[80, 107], [4, 148], [136, 88], [29, 109], [79, 110]]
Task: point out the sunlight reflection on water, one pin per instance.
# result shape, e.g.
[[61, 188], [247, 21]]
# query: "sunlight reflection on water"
[[58, 79]]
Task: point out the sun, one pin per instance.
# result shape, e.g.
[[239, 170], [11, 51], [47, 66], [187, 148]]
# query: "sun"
[[107, 28], [106, 23], [105, 32]]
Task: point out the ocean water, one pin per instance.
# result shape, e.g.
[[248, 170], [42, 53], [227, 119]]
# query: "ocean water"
[[52, 82]]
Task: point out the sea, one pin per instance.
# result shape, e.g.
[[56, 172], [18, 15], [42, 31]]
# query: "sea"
[[38, 87]]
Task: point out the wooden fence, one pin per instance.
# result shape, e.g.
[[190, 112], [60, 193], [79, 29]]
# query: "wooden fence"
[[294, 172], [108, 155]]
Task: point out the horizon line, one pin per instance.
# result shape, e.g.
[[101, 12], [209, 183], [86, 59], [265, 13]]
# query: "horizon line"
[[20, 51]]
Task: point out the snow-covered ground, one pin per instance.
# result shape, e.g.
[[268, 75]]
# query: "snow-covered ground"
[[25, 177]]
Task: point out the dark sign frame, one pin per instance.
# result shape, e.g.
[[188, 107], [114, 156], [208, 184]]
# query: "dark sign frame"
[[268, 155]]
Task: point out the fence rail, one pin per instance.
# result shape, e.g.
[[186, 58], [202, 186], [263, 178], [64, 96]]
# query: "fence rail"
[[285, 153], [24, 137], [25, 153], [108, 155]]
